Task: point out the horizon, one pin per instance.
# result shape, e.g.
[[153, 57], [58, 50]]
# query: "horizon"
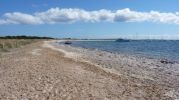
[[91, 19], [87, 38]]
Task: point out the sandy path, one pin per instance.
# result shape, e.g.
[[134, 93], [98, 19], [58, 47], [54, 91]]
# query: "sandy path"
[[38, 73]]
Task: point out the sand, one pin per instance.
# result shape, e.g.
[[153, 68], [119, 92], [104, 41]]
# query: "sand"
[[41, 71]]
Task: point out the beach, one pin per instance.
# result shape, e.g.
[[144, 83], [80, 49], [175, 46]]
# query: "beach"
[[45, 71]]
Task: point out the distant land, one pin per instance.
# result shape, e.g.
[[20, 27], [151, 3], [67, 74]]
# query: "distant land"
[[24, 37]]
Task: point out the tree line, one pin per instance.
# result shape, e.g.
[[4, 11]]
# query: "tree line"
[[24, 37]]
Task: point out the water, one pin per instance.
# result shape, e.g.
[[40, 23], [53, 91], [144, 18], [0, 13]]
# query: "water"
[[148, 48]]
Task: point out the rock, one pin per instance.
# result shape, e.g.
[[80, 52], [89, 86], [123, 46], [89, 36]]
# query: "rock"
[[166, 62]]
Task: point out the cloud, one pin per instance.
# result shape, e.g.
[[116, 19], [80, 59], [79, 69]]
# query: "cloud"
[[20, 18], [71, 15]]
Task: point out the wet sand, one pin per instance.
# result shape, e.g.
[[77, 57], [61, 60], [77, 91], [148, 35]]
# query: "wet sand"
[[41, 71]]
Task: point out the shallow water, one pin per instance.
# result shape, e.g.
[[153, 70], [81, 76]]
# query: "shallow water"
[[147, 48]]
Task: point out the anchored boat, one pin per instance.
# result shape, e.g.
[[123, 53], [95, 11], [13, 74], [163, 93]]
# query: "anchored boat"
[[122, 40], [67, 42]]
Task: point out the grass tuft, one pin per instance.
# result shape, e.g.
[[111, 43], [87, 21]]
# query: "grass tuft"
[[6, 44]]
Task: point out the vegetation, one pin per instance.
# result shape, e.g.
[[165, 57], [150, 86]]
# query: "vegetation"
[[24, 37], [8, 42]]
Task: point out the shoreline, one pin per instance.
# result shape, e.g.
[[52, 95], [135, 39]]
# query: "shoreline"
[[126, 65], [171, 58], [75, 56]]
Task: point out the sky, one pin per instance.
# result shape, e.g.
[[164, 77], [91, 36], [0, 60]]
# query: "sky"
[[137, 19]]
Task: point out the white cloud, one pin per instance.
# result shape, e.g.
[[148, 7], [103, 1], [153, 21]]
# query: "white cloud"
[[20, 18], [70, 15]]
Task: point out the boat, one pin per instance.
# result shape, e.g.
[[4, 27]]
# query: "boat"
[[67, 42], [122, 40]]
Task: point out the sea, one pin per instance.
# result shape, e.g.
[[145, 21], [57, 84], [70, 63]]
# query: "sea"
[[160, 49]]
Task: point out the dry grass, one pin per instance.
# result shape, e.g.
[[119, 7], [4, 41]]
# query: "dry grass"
[[6, 44]]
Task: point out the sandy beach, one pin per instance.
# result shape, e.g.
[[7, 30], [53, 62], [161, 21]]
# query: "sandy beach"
[[42, 71]]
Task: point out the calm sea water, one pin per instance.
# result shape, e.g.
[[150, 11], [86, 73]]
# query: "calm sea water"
[[148, 48]]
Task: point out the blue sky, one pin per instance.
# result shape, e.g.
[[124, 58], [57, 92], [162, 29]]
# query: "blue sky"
[[128, 26]]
